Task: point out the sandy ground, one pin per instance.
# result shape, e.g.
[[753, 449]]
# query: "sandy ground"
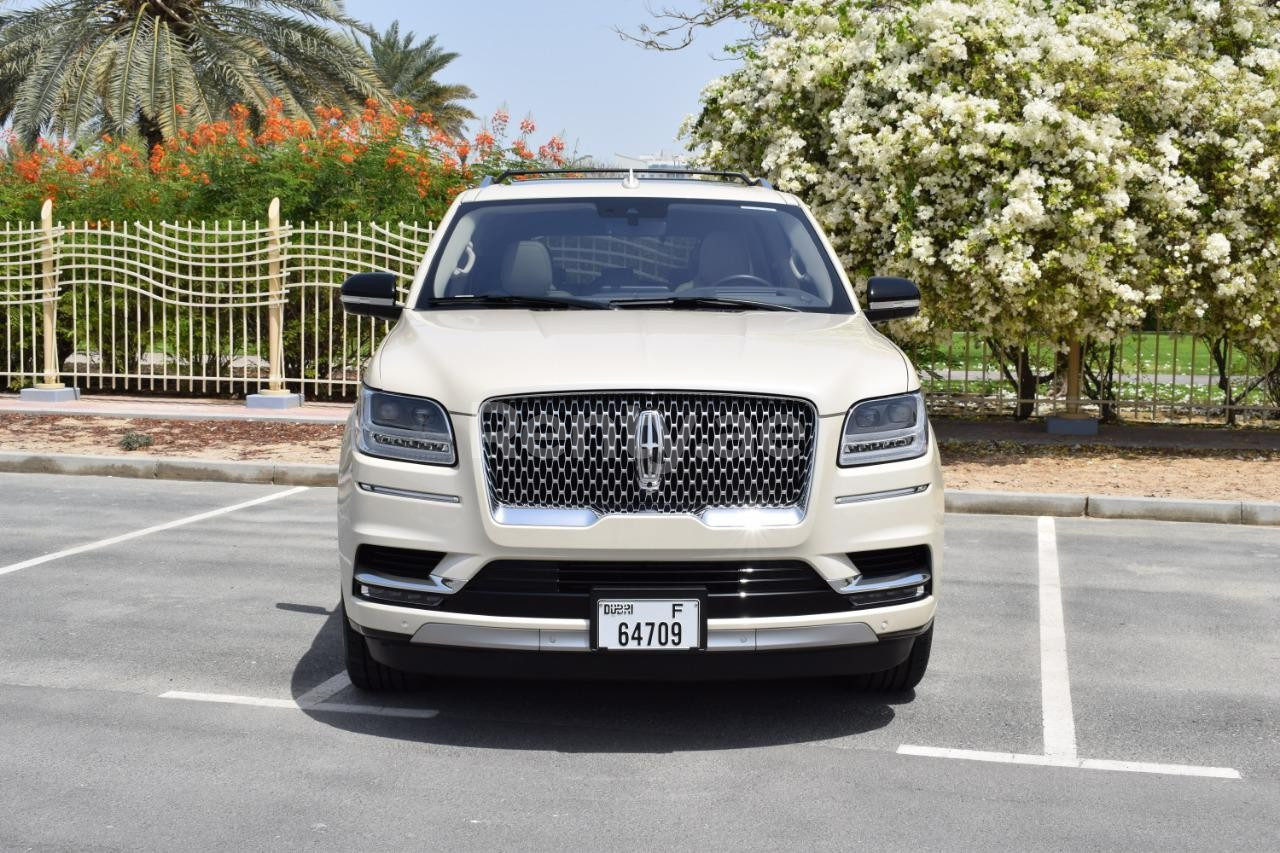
[[222, 439], [1205, 474], [990, 466]]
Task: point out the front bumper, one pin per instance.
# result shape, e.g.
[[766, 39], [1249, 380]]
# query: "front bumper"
[[884, 652], [440, 509]]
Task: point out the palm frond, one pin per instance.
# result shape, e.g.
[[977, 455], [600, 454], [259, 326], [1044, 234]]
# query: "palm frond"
[[68, 65]]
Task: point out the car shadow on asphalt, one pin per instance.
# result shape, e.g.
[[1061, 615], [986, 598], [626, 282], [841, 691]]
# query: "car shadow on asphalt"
[[600, 716]]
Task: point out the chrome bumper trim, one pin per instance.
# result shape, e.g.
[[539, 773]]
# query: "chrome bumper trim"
[[751, 517], [571, 640], [717, 517], [435, 586], [861, 584], [536, 516], [409, 493], [848, 634], [478, 637], [875, 496]]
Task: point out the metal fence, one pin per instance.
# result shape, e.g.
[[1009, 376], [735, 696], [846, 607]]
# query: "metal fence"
[[211, 308], [1152, 374], [188, 308]]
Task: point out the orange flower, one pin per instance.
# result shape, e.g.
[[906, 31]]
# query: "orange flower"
[[346, 158], [28, 167]]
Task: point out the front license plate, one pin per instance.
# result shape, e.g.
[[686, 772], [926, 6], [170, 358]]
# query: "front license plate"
[[648, 624]]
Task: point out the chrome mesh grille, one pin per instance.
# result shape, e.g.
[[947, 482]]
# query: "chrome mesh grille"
[[577, 450]]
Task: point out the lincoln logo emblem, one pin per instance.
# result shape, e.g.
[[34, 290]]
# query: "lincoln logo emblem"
[[650, 446]]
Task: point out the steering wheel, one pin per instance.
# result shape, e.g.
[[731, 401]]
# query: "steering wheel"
[[739, 278]]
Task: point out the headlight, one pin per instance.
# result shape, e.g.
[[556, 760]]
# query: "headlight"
[[885, 430], [412, 429]]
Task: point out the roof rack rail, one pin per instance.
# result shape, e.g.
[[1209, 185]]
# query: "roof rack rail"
[[509, 174]]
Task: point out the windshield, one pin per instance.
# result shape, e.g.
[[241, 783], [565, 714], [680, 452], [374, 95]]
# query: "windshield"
[[656, 253]]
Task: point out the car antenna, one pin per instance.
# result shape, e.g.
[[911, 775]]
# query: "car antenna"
[[630, 181]]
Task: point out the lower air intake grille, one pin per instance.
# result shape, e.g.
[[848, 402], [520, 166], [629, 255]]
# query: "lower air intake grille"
[[562, 589], [398, 562], [892, 561]]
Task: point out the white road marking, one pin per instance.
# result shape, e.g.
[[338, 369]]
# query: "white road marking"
[[1055, 685], [294, 705], [1079, 763], [228, 699], [325, 690], [168, 525], [1055, 692]]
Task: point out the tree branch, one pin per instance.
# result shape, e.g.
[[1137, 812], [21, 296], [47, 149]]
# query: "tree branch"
[[674, 29]]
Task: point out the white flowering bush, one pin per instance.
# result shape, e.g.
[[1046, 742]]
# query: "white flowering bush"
[[1045, 170]]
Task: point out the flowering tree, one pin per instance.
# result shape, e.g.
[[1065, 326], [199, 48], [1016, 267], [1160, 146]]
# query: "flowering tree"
[[1220, 244], [376, 163], [1029, 162]]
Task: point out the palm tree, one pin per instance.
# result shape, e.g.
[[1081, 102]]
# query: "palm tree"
[[409, 70], [158, 66]]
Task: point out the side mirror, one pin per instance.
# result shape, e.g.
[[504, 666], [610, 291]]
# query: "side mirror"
[[889, 298], [371, 294]]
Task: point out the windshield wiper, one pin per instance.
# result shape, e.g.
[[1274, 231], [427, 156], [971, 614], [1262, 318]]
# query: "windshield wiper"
[[507, 300], [695, 302]]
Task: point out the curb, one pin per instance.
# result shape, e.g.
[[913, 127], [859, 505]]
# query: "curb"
[[979, 503], [158, 468], [180, 415], [1115, 507]]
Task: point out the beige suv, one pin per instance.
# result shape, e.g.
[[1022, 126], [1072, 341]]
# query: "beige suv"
[[636, 425]]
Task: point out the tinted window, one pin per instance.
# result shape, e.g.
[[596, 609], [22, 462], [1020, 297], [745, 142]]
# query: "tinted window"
[[611, 250]]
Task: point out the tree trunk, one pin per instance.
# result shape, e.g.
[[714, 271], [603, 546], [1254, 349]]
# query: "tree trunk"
[[1028, 386], [1220, 351], [150, 130], [1100, 377], [1015, 364]]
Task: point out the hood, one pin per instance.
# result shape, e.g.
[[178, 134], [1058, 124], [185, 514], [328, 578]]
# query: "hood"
[[463, 357]]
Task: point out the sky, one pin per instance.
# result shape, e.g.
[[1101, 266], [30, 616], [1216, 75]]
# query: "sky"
[[562, 62]]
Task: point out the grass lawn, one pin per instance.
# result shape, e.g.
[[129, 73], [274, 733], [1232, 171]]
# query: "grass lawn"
[[1142, 354]]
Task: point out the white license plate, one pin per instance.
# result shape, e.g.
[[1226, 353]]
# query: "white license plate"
[[648, 624]]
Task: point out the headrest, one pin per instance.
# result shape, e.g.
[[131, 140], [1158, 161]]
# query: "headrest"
[[722, 254], [526, 269]]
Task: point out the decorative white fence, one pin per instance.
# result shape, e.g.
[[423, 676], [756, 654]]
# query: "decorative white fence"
[[207, 308], [230, 308]]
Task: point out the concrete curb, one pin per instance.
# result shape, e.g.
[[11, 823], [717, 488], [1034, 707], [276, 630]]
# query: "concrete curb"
[[1115, 507], [1016, 503], [984, 503], [156, 468]]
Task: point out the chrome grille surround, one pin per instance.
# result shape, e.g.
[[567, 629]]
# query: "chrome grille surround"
[[571, 453]]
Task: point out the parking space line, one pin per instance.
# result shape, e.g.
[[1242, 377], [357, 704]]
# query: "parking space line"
[[1055, 685], [297, 705], [1055, 691], [228, 699], [146, 531], [325, 690], [1079, 763]]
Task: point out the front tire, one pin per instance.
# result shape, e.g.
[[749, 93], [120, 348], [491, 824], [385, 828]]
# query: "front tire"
[[905, 675], [365, 672]]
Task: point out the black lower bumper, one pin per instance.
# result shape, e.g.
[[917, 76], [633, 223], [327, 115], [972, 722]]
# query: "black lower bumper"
[[399, 653]]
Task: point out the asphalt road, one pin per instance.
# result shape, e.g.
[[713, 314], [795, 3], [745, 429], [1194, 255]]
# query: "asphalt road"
[[176, 690]]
